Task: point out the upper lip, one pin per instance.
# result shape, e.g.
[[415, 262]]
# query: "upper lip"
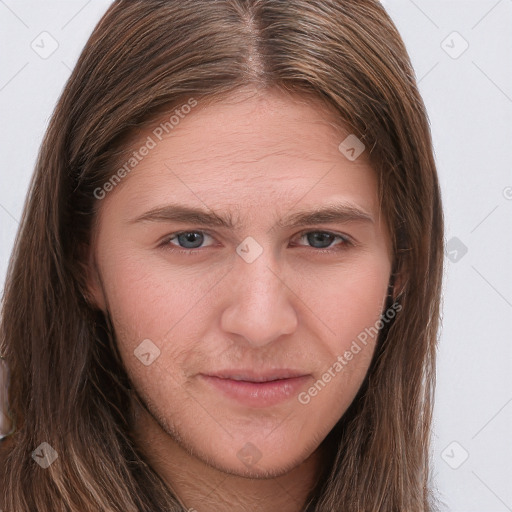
[[257, 376]]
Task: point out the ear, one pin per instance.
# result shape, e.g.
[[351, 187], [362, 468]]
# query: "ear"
[[94, 293]]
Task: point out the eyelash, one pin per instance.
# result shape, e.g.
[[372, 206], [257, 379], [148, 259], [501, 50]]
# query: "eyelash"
[[165, 244]]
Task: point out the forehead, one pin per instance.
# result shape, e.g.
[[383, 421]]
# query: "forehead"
[[251, 148]]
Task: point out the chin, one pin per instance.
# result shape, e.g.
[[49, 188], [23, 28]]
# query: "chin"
[[261, 470], [267, 460]]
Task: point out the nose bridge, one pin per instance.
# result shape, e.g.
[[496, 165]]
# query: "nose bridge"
[[257, 283], [259, 306]]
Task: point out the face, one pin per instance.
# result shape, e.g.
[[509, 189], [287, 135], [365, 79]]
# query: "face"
[[239, 309]]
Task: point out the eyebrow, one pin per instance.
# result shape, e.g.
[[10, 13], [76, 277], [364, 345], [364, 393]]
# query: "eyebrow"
[[330, 214]]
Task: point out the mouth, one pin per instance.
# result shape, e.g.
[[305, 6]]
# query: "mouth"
[[257, 389], [252, 376]]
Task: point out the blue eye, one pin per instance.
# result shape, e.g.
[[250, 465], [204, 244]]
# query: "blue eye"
[[190, 239], [321, 241], [324, 238]]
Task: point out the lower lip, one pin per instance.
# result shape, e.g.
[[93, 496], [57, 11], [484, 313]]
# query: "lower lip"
[[258, 394]]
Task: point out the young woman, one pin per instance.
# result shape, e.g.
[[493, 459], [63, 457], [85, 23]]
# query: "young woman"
[[225, 290]]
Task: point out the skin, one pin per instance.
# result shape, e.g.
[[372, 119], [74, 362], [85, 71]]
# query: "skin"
[[258, 157]]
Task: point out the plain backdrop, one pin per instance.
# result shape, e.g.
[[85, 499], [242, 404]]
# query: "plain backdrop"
[[462, 55]]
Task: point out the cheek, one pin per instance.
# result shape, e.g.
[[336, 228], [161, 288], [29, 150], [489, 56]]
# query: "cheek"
[[153, 292], [175, 305], [149, 299], [351, 306], [347, 300]]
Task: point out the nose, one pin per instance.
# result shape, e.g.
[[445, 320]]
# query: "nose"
[[259, 307]]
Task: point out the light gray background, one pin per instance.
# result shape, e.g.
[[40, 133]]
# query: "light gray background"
[[468, 94]]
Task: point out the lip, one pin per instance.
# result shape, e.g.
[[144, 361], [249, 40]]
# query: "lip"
[[255, 389]]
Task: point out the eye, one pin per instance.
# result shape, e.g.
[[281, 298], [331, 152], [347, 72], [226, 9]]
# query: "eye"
[[324, 240], [187, 240]]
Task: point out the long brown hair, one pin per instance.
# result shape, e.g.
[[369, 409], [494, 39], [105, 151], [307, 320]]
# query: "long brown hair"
[[68, 387]]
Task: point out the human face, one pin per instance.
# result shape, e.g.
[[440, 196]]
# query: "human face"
[[262, 299]]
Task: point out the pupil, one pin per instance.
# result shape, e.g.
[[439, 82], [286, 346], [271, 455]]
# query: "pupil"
[[189, 237], [322, 237]]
